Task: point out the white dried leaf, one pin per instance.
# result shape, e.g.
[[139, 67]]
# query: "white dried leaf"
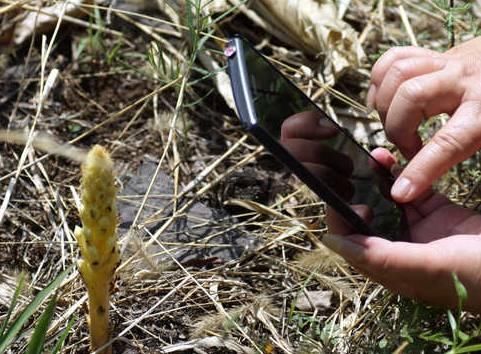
[[215, 6], [43, 142], [49, 84], [7, 289], [314, 27], [169, 10], [312, 300], [477, 8], [342, 6], [46, 19], [221, 79], [199, 345], [208, 7]]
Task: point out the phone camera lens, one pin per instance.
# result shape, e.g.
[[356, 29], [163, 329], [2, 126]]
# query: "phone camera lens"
[[229, 50]]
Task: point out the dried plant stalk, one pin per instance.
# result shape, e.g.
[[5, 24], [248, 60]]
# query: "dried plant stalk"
[[97, 241], [43, 142]]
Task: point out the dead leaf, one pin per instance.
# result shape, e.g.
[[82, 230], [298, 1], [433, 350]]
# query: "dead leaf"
[[8, 18], [43, 142], [215, 6], [477, 8], [46, 18], [314, 27], [314, 300], [7, 289], [206, 343], [221, 79], [342, 6]]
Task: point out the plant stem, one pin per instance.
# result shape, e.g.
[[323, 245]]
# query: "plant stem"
[[451, 35], [99, 317]]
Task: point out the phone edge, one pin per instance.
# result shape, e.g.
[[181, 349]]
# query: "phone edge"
[[244, 104]]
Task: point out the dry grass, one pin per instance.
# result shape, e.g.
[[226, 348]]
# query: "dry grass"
[[183, 285]]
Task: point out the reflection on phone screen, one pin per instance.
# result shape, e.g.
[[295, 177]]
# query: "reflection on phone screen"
[[322, 146]]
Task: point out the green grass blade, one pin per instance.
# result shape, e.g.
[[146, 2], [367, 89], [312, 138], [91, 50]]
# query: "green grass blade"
[[37, 341], [16, 326], [469, 349], [63, 336], [21, 281], [460, 291]]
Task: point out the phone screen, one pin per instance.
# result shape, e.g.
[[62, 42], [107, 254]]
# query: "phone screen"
[[319, 144]]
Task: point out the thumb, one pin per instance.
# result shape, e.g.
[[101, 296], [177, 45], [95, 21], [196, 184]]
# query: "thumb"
[[376, 254], [455, 142], [415, 270], [400, 266]]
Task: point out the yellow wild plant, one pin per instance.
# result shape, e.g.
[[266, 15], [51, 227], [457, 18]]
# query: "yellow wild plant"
[[97, 240]]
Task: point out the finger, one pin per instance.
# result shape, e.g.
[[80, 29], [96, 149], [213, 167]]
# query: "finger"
[[420, 271], [384, 157], [419, 98], [308, 125], [400, 266], [376, 253], [471, 47], [383, 64], [425, 203], [371, 97], [456, 141], [447, 220], [316, 152], [399, 72], [339, 226]]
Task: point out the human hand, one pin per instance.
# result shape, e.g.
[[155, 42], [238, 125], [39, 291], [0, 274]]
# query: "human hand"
[[445, 238], [410, 84], [304, 135]]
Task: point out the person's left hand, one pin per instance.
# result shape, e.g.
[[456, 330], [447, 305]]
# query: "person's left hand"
[[445, 239]]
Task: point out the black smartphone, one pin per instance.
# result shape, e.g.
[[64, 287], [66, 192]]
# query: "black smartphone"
[[313, 146]]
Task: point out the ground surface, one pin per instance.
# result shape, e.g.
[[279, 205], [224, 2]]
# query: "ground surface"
[[225, 263]]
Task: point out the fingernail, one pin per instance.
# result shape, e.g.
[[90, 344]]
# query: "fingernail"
[[371, 97], [343, 247], [402, 189]]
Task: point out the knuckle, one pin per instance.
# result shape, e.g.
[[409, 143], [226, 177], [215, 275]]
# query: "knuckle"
[[391, 55], [412, 91], [447, 142], [470, 65], [399, 70], [397, 51], [381, 263]]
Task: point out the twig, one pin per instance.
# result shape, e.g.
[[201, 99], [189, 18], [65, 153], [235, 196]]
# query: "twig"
[[451, 34], [407, 26]]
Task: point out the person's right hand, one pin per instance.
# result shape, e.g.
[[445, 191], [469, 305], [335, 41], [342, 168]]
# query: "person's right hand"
[[410, 84]]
